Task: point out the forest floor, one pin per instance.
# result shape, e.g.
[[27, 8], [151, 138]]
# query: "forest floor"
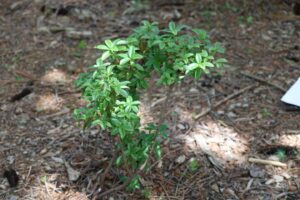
[[45, 44]]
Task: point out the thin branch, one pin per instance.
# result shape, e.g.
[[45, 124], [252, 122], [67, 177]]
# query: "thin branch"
[[267, 162], [263, 81], [205, 112], [113, 189]]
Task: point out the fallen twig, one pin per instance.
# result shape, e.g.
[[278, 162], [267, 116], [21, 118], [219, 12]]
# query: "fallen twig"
[[113, 189], [205, 112], [164, 189], [263, 81], [267, 162], [62, 112], [100, 182]]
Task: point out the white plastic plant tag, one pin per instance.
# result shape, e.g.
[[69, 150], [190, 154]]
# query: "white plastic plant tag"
[[292, 96]]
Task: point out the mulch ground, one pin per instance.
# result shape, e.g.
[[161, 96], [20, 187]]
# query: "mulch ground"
[[217, 126]]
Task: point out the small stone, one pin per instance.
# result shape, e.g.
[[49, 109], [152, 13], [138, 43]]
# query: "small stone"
[[193, 90], [18, 110], [24, 118], [181, 126], [256, 172], [180, 159], [266, 37], [39, 1], [231, 107], [57, 159], [159, 165], [13, 197], [43, 151], [286, 175], [220, 112], [70, 33], [10, 159], [270, 181], [274, 158], [73, 174], [4, 107], [231, 115], [94, 132], [64, 126], [86, 14], [245, 105], [175, 146], [43, 29], [16, 5], [278, 178], [53, 44], [215, 187]]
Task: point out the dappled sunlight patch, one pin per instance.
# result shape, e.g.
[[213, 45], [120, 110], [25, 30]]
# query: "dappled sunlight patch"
[[290, 140], [55, 76], [145, 114], [48, 189], [220, 142], [49, 102]]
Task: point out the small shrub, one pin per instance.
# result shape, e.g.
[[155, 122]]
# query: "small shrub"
[[111, 86]]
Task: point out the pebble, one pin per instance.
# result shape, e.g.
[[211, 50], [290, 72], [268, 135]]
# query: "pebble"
[[181, 126], [4, 107], [231, 115], [245, 105], [43, 29], [70, 33], [13, 197], [256, 172], [193, 90], [278, 178], [57, 159], [286, 175], [43, 151], [220, 112], [16, 5], [10, 159], [24, 118], [18, 110], [180, 159]]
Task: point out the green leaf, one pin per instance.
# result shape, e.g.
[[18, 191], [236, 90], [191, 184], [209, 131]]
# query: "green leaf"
[[197, 73], [204, 53], [131, 51], [201, 33], [172, 28], [102, 47], [124, 61], [119, 161], [105, 55], [208, 64], [122, 92], [221, 60], [158, 151], [109, 43], [198, 58], [121, 42], [191, 67]]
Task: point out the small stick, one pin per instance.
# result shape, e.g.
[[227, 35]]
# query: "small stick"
[[166, 192], [26, 75], [62, 112], [113, 189], [263, 81], [267, 162], [205, 112]]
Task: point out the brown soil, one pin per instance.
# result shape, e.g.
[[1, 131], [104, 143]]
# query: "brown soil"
[[45, 44]]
